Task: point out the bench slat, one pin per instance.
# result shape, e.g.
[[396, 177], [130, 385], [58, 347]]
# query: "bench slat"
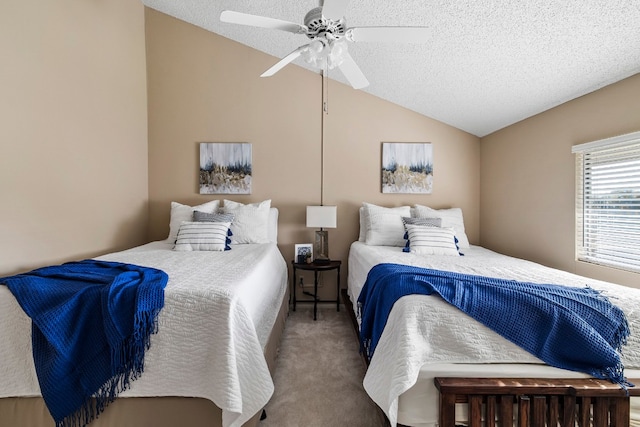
[[541, 402]]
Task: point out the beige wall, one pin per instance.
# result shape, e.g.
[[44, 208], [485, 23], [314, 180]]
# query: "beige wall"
[[205, 88], [73, 133], [73, 141], [528, 178]]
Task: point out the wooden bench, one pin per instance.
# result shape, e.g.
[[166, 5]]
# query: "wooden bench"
[[535, 402]]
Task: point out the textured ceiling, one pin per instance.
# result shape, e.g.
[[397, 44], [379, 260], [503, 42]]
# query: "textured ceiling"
[[488, 64]]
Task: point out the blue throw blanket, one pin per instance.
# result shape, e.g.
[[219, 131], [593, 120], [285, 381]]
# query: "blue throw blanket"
[[570, 328], [91, 325]]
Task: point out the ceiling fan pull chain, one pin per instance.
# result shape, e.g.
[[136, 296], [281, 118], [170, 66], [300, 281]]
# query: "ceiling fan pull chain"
[[325, 90]]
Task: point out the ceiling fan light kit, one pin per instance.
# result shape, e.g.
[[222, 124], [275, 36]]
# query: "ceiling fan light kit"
[[326, 27], [325, 54]]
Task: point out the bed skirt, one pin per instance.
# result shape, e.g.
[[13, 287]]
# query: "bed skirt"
[[166, 411]]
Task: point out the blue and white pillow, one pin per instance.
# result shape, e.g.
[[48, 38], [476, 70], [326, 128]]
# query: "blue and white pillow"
[[450, 218], [203, 236], [429, 240], [212, 217], [429, 222]]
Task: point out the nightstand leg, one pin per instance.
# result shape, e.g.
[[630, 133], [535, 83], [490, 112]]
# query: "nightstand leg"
[[315, 294], [338, 291], [293, 289]]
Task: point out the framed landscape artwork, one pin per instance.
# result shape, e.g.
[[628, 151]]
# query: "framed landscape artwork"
[[407, 167], [225, 168]]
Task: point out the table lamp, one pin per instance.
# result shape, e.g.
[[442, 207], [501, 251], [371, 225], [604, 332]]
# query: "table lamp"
[[321, 217]]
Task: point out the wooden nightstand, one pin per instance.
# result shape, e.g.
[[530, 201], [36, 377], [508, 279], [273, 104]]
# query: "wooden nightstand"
[[316, 268]]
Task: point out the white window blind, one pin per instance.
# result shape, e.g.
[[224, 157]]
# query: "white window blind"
[[608, 202]]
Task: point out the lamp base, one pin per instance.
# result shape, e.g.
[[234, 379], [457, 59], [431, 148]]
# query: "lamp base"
[[321, 247]]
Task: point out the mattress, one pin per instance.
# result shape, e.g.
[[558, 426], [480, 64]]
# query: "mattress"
[[426, 337], [219, 310]]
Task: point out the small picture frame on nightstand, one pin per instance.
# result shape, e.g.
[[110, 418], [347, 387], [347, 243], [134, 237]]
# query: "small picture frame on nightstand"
[[304, 253]]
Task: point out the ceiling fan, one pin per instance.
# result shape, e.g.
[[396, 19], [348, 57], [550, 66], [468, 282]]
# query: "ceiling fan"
[[327, 30]]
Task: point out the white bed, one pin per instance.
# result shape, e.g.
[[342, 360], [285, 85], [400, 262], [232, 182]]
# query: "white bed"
[[220, 310], [426, 337]]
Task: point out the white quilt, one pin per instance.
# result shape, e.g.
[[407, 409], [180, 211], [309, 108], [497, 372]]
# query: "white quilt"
[[219, 310], [423, 330]]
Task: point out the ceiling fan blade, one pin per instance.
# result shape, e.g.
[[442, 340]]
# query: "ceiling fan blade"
[[284, 61], [261, 21], [353, 73], [389, 34], [334, 9]]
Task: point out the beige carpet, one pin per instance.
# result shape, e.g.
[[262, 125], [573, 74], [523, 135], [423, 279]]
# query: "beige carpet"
[[319, 374]]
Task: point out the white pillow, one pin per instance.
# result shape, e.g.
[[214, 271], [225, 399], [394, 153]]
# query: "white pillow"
[[180, 213], [250, 222], [272, 226], [203, 236], [384, 226], [450, 218], [428, 240]]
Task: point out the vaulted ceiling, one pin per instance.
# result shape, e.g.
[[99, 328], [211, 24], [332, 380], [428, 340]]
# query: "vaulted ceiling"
[[487, 63]]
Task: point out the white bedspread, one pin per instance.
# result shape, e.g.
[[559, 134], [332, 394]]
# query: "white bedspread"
[[424, 330], [219, 310]]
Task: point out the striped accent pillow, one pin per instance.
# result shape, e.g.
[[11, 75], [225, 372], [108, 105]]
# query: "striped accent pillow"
[[431, 222], [212, 217], [180, 212], [427, 240], [203, 236]]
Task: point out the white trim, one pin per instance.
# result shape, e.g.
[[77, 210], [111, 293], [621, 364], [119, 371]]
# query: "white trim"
[[606, 143]]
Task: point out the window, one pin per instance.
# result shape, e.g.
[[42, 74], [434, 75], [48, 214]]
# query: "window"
[[608, 202]]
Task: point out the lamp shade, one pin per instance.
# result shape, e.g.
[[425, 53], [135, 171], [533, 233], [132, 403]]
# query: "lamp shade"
[[322, 216]]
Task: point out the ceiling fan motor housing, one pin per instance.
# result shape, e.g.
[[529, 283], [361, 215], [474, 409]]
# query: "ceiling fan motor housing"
[[319, 26]]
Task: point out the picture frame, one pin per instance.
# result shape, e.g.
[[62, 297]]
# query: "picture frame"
[[303, 252], [407, 167], [225, 168]]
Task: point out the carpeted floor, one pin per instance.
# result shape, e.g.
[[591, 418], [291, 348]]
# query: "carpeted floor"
[[318, 380]]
